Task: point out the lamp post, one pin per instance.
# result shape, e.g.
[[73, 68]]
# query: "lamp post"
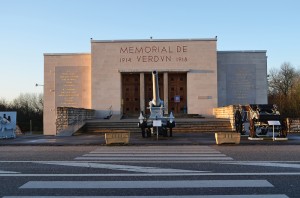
[[37, 85]]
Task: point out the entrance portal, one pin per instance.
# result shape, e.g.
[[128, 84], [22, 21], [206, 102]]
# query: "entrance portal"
[[177, 93], [131, 94]]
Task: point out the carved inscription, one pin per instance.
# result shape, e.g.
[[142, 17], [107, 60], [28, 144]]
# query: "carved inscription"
[[154, 54], [241, 84], [68, 86], [69, 92]]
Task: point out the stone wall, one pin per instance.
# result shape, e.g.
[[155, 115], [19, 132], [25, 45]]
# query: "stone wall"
[[242, 77], [226, 113], [67, 83], [67, 116]]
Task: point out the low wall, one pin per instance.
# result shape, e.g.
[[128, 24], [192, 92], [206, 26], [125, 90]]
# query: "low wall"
[[226, 113], [67, 116]]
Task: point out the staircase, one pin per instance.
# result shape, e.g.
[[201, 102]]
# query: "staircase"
[[183, 125], [205, 125]]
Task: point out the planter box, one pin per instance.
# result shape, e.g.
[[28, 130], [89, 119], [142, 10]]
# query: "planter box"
[[228, 138], [117, 138]]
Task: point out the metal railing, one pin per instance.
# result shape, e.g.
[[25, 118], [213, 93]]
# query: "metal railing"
[[110, 112]]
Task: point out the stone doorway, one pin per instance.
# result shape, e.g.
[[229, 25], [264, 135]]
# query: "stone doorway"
[[131, 94], [177, 93]]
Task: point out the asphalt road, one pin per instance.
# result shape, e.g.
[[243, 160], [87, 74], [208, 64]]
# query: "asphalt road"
[[151, 171]]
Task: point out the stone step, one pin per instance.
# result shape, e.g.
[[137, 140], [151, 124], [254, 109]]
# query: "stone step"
[[177, 126], [181, 126], [174, 130], [177, 123]]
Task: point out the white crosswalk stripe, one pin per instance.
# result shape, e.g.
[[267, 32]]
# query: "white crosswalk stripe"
[[146, 184], [162, 184], [139, 169], [153, 154], [7, 172], [181, 196]]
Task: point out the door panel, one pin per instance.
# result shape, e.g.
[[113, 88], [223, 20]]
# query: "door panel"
[[177, 90], [131, 94]]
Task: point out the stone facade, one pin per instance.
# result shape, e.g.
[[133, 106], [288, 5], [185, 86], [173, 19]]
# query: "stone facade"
[[67, 83], [242, 77], [197, 58], [96, 80]]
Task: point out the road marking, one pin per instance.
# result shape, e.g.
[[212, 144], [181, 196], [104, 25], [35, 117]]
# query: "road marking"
[[168, 196], [154, 154], [157, 152], [269, 164], [146, 184], [42, 140], [7, 172], [129, 168], [152, 174], [218, 162], [156, 148], [116, 159]]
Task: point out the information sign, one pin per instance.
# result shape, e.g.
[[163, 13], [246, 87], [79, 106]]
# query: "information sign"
[[157, 123], [176, 98], [274, 122]]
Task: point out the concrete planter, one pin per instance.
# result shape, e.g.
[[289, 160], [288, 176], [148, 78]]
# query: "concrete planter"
[[228, 138], [117, 138]]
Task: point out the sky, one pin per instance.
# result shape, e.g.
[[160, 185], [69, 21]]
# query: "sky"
[[30, 28]]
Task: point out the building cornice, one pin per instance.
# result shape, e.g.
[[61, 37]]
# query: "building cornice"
[[65, 54], [152, 40], [150, 70], [242, 51]]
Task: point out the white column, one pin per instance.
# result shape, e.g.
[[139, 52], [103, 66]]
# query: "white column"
[[166, 96], [142, 92]]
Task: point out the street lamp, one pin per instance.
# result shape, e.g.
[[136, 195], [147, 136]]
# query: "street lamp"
[[38, 85]]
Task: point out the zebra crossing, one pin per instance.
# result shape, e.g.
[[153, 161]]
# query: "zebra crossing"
[[140, 178], [152, 154], [38, 186]]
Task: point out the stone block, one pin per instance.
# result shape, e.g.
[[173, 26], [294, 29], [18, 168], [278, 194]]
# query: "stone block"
[[117, 137], [230, 138]]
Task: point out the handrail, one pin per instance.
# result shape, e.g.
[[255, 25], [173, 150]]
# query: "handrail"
[[110, 112]]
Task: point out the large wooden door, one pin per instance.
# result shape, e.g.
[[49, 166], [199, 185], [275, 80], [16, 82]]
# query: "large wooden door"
[[131, 94], [149, 89], [177, 93]]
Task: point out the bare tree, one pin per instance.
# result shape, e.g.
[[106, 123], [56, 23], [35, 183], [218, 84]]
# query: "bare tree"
[[284, 89], [282, 81], [4, 105], [29, 102]]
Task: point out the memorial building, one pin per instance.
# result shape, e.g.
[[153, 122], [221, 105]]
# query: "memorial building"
[[194, 78]]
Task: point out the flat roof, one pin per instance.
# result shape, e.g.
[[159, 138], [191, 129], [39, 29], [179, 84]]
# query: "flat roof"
[[65, 54], [153, 40], [242, 51], [150, 70]]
